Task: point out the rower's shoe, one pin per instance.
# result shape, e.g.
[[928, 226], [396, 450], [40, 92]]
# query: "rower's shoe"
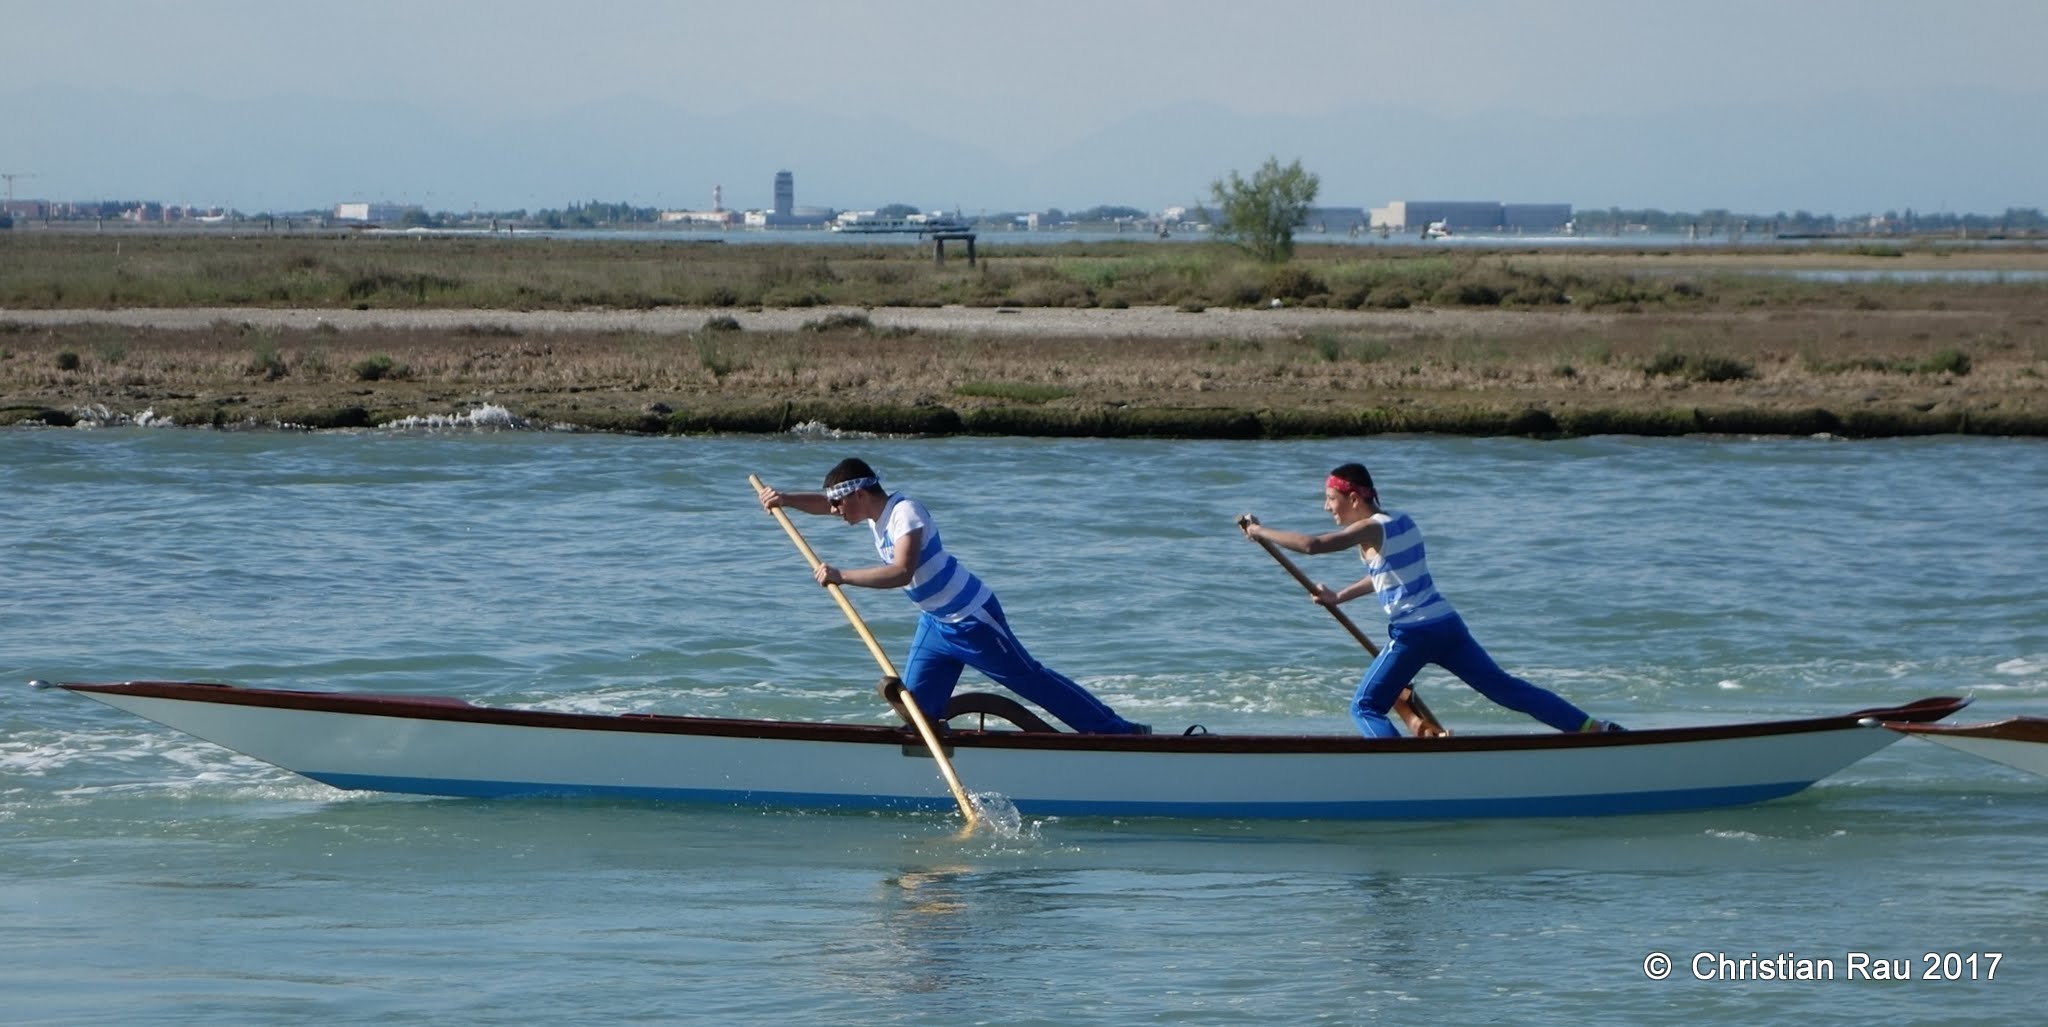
[[1139, 729], [1595, 726]]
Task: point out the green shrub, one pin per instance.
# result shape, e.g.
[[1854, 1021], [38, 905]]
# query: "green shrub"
[[265, 361], [1293, 282], [378, 368], [1468, 294], [1698, 367], [1390, 297], [714, 360], [1948, 361]]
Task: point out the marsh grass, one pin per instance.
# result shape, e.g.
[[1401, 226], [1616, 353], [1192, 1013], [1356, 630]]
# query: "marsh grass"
[[1948, 360], [265, 360], [1571, 334], [169, 269]]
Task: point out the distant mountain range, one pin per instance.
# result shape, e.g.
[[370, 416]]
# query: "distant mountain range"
[[1965, 152]]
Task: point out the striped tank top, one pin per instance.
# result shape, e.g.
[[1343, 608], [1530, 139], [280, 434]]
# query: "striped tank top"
[[939, 585], [1400, 574]]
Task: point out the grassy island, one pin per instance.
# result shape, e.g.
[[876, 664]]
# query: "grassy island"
[[1160, 338]]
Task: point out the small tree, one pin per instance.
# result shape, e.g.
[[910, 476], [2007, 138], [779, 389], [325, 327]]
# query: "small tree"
[[1261, 215]]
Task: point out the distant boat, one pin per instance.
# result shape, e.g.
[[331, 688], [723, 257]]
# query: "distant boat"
[[868, 222]]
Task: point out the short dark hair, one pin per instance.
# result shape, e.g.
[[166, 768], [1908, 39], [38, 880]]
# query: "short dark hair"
[[851, 468], [1356, 474]]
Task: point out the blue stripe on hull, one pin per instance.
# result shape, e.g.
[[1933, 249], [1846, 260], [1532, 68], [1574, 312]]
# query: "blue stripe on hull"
[[1667, 801]]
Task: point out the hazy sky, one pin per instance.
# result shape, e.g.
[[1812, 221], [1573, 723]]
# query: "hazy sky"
[[1017, 81]]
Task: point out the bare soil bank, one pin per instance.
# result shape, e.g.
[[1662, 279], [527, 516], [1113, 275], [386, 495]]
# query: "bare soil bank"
[[1973, 362]]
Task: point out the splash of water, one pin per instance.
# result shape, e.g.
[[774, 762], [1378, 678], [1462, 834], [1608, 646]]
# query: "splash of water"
[[490, 415]]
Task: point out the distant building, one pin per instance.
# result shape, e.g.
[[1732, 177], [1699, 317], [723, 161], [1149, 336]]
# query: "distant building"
[[699, 217], [717, 215], [1471, 216], [786, 213], [785, 193], [1334, 219], [374, 213], [1535, 217]]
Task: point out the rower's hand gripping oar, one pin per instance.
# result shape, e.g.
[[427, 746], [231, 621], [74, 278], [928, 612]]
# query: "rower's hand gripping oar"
[[1408, 706], [892, 685]]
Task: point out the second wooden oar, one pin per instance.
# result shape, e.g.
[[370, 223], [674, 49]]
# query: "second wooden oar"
[[1408, 706], [892, 685]]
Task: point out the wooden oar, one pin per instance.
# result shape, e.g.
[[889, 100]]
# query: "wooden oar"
[[892, 685], [1408, 706]]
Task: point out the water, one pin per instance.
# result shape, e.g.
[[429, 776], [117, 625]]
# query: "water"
[[146, 877], [1961, 276]]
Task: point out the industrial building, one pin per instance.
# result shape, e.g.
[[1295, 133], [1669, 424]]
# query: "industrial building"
[[717, 215], [1334, 219], [1472, 216], [372, 213]]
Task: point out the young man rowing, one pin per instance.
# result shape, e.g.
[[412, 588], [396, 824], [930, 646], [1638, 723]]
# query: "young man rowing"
[[1422, 626], [960, 623]]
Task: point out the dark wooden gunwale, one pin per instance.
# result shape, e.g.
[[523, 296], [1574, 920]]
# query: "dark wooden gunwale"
[[441, 708], [2011, 729]]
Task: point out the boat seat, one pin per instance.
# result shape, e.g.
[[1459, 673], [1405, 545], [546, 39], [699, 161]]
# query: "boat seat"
[[988, 704]]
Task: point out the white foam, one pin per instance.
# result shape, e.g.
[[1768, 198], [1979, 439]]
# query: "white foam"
[[821, 430], [97, 415], [1738, 836], [488, 416]]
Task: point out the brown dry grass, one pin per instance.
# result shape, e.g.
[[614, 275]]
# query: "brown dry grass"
[[1843, 361]]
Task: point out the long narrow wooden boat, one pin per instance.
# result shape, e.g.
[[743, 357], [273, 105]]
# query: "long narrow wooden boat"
[[445, 746], [2020, 742]]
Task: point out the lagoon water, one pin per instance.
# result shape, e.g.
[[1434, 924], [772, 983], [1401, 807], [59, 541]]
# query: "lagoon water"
[[146, 877]]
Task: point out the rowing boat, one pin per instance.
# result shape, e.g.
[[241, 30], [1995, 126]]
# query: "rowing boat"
[[431, 745], [2020, 742]]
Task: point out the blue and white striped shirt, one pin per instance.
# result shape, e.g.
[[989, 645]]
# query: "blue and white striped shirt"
[[1400, 574], [939, 585]]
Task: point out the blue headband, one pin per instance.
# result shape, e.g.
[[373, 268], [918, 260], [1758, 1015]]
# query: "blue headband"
[[836, 494]]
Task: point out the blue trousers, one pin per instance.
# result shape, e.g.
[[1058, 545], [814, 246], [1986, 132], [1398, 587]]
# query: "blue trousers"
[[1450, 645], [940, 650]]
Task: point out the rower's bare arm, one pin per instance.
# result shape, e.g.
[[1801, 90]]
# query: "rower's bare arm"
[[802, 502], [894, 574], [1361, 587], [1278, 536], [1363, 533]]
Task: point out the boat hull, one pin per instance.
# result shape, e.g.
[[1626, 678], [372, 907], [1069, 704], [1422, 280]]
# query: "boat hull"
[[451, 748]]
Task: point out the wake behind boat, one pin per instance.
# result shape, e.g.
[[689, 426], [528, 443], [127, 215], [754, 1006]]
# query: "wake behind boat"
[[431, 745]]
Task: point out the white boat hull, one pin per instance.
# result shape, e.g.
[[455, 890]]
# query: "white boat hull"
[[447, 747]]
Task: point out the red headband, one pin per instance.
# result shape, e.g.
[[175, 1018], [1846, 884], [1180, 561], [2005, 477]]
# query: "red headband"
[[1350, 487]]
